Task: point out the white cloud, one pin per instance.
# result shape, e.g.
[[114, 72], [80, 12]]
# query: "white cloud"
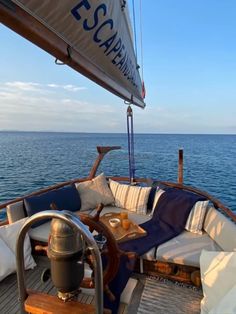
[[36, 87], [23, 86], [30, 106], [33, 106], [68, 87], [72, 88], [53, 85]]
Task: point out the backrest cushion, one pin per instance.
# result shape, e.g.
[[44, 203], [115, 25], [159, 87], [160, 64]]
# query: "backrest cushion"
[[221, 229], [15, 212], [93, 192], [196, 217], [65, 198], [133, 198]]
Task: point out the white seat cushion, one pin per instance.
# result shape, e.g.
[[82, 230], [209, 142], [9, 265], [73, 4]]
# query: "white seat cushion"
[[41, 233], [184, 249]]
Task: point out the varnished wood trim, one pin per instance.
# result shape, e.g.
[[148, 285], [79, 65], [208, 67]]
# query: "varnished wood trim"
[[181, 273], [102, 151], [180, 167], [41, 303], [127, 179]]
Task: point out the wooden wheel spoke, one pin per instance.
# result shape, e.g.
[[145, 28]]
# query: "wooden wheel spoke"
[[110, 252]]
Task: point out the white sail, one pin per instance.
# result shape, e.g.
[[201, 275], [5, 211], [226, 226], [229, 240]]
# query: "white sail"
[[99, 40]]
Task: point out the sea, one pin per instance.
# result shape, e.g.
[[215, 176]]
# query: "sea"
[[30, 161]]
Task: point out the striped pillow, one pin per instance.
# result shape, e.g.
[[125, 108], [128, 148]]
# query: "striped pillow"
[[133, 198], [196, 217], [158, 194]]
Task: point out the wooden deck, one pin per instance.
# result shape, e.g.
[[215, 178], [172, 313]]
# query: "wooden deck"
[[9, 303]]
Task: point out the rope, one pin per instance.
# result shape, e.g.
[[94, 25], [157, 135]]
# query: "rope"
[[130, 133]]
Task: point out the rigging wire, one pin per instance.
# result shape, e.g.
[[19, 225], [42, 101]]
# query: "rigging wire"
[[141, 36], [130, 127], [130, 133], [141, 43], [135, 35]]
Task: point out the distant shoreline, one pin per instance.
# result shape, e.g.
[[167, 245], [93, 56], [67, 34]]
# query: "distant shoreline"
[[70, 132]]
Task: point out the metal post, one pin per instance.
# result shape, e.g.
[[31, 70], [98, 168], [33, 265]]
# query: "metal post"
[[180, 167]]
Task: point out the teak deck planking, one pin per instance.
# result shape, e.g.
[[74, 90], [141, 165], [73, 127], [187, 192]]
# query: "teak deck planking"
[[9, 303]]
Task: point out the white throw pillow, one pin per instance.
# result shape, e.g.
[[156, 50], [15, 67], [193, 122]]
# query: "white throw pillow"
[[94, 192], [196, 217], [133, 198], [9, 234], [7, 260], [218, 271]]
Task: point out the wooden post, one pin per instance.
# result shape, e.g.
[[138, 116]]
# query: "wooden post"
[[180, 167]]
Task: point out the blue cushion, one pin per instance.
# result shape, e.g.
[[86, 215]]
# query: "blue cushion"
[[65, 198]]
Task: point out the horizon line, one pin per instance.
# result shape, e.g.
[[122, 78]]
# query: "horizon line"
[[96, 132]]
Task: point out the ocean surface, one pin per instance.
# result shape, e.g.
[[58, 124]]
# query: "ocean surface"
[[30, 161]]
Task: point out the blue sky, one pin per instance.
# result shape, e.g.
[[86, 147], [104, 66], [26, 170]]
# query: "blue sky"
[[189, 52]]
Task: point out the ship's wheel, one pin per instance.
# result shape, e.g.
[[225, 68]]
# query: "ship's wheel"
[[110, 252]]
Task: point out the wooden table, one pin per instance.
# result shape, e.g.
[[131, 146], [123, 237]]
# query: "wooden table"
[[119, 233]]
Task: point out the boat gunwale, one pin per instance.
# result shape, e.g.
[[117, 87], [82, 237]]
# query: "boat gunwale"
[[217, 204]]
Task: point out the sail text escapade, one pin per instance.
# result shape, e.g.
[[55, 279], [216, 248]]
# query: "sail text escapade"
[[113, 46]]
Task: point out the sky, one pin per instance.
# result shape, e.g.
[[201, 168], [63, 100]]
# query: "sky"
[[189, 58]]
